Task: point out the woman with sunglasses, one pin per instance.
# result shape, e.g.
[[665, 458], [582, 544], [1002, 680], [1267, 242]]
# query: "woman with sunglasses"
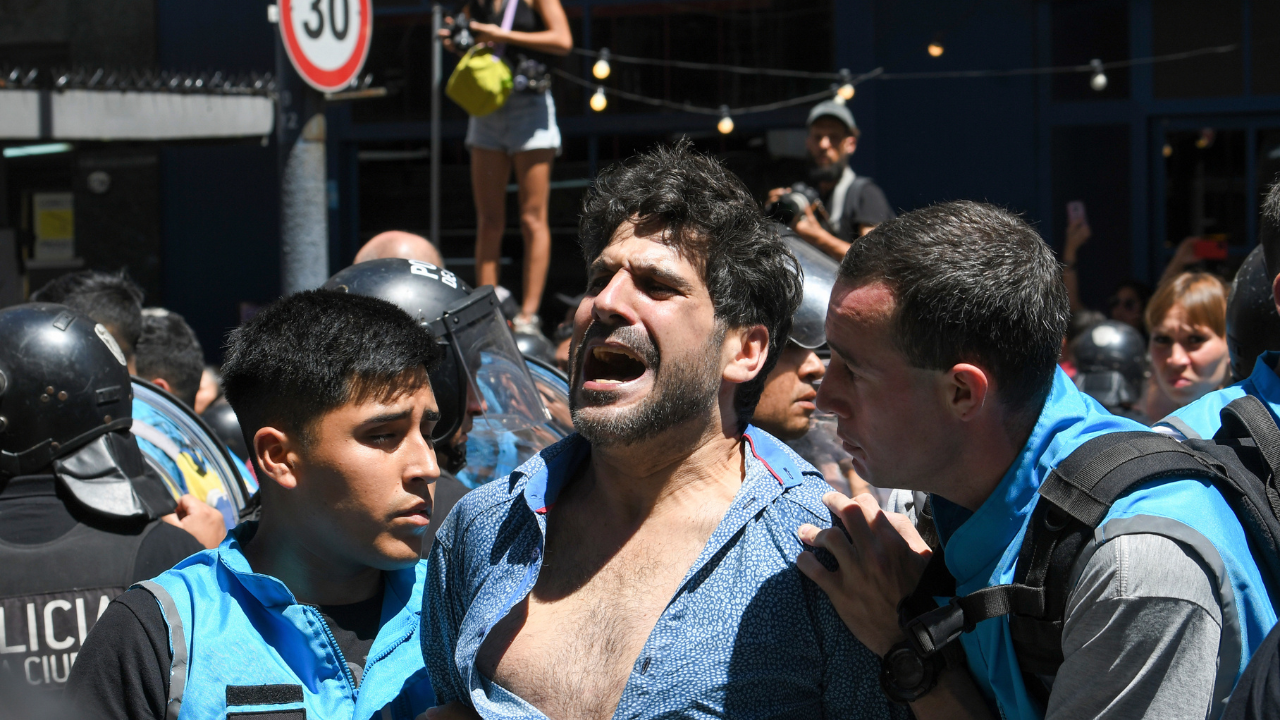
[[1187, 322]]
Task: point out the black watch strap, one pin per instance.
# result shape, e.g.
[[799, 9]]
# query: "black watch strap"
[[905, 676]]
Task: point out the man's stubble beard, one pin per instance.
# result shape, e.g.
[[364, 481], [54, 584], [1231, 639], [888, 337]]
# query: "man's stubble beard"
[[681, 391]]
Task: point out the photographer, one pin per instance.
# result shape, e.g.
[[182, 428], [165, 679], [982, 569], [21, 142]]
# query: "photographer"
[[837, 206], [522, 133]]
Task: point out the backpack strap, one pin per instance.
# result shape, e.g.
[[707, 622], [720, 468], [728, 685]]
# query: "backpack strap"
[[1246, 416], [1074, 499]]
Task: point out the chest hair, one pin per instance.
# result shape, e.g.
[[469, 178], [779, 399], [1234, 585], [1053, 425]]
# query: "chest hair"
[[570, 646]]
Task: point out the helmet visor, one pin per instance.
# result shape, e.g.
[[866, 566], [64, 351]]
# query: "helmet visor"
[[808, 324], [499, 378]]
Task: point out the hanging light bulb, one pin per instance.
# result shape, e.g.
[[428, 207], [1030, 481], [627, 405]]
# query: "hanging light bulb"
[[845, 91], [935, 48], [725, 126], [1099, 80], [598, 100], [601, 69]]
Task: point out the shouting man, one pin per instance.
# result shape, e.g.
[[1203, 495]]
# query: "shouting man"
[[645, 566]]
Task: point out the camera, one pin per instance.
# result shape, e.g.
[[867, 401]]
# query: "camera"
[[460, 33], [793, 203]]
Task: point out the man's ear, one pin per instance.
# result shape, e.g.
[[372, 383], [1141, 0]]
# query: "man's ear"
[[162, 384], [747, 349], [850, 144], [276, 456], [1275, 291], [966, 390]]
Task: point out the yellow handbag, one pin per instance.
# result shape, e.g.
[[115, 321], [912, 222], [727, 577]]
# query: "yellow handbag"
[[481, 83]]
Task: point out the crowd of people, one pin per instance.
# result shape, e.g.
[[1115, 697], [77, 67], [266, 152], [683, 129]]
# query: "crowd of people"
[[852, 465]]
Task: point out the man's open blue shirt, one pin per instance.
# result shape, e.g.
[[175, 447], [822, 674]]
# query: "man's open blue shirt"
[[746, 636]]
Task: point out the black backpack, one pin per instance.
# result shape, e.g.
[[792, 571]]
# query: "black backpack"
[[1242, 461]]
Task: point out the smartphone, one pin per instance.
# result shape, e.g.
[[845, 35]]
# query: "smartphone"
[[1075, 213], [1212, 247]]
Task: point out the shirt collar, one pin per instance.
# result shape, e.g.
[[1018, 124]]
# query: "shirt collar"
[[1264, 375], [546, 473], [1068, 416], [272, 593]]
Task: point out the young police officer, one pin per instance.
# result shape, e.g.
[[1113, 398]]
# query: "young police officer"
[[1200, 419], [944, 330], [314, 609]]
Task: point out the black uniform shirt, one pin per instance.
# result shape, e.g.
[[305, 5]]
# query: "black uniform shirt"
[[61, 567]]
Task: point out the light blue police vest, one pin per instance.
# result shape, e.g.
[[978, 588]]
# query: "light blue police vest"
[[1201, 419], [983, 550], [245, 631]]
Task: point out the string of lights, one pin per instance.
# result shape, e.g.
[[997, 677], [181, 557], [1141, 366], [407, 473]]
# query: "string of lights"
[[844, 89]]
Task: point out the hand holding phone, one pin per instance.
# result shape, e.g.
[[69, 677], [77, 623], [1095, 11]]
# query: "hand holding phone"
[[1076, 214]]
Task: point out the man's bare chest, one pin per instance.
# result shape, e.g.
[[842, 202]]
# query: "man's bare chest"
[[569, 647]]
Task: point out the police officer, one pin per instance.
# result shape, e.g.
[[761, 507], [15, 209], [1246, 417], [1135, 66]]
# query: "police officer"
[[1111, 367], [80, 507], [1200, 419], [482, 384]]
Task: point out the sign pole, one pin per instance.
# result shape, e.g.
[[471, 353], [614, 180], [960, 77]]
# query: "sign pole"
[[304, 222], [319, 50], [437, 73]]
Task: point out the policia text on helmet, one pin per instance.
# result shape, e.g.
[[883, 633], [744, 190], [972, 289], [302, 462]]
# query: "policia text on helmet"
[[482, 383]]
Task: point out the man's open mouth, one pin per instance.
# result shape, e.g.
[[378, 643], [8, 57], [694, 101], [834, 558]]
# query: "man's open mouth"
[[611, 365]]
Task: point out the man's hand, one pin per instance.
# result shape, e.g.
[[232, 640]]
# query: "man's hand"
[[881, 565], [807, 225], [200, 519], [776, 194], [453, 711]]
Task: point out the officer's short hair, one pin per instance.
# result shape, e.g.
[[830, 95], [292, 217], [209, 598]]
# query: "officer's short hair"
[[312, 352], [169, 349], [109, 298], [708, 213], [972, 283], [1269, 229]]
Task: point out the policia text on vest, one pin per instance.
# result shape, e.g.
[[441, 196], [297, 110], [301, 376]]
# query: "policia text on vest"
[[40, 635]]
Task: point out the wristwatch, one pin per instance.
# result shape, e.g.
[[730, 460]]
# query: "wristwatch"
[[905, 676]]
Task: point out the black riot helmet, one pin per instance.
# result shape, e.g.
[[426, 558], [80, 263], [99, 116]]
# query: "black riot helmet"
[[481, 351], [1253, 327], [808, 324], [66, 408], [1111, 363]]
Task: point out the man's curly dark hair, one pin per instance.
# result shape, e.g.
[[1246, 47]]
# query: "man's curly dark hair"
[[709, 215]]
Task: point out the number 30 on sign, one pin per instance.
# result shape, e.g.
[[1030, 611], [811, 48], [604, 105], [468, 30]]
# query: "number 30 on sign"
[[327, 40]]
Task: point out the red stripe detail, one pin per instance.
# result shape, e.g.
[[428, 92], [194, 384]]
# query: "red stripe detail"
[[775, 475], [543, 510]]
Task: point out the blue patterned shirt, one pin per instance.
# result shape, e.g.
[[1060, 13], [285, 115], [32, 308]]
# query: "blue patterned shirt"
[[746, 635]]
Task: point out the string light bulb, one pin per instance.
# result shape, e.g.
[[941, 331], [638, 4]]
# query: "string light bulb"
[[1099, 80], [846, 90], [601, 69], [725, 126], [598, 100], [935, 48]]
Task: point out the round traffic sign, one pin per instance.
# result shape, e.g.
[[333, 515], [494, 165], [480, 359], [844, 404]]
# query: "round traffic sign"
[[327, 40]]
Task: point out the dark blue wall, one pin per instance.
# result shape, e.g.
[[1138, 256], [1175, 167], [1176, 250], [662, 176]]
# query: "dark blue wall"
[[220, 222], [946, 139]]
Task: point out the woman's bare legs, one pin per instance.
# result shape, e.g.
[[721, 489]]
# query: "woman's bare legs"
[[490, 170], [533, 175]]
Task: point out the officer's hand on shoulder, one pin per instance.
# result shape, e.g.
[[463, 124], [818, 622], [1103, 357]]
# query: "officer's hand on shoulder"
[[881, 559], [200, 519]]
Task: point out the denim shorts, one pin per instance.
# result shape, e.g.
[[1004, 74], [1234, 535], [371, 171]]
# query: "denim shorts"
[[527, 121]]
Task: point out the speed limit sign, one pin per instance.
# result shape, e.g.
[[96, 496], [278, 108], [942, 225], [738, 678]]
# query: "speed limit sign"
[[327, 40]]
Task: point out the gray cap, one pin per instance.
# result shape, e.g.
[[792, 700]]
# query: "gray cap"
[[831, 108]]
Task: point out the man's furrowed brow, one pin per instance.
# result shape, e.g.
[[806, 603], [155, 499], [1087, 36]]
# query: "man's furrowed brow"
[[664, 275]]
